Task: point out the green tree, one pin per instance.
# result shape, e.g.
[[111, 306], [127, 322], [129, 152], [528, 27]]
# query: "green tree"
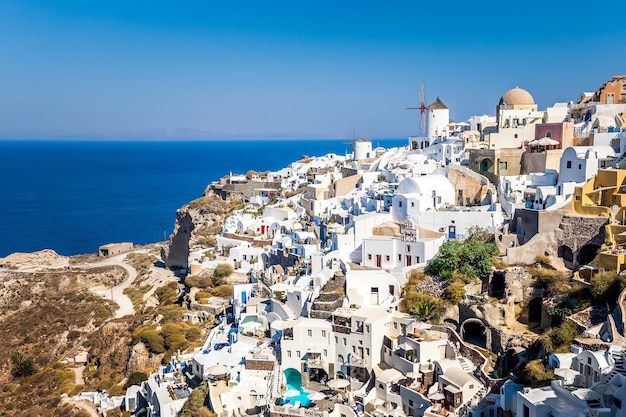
[[22, 366], [605, 288], [423, 306], [194, 406], [471, 257]]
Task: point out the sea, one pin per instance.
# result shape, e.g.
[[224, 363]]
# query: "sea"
[[73, 196]]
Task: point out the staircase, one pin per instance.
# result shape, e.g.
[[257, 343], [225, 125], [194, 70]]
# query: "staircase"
[[618, 368], [276, 381], [466, 364]]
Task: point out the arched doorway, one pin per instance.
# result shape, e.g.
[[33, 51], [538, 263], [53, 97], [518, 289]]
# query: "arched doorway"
[[474, 331], [498, 285], [535, 309], [587, 253], [565, 252], [486, 165]]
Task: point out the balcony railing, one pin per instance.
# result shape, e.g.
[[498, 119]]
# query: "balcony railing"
[[315, 362], [357, 361]]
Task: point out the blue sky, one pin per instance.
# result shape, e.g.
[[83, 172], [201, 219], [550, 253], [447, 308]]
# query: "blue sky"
[[155, 69]]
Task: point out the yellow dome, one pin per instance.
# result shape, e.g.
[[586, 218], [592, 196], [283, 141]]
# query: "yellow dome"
[[517, 96]]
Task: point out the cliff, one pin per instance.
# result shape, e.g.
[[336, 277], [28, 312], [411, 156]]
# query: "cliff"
[[200, 218]]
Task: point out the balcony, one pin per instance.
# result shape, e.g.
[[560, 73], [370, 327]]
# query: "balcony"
[[354, 360], [315, 362]]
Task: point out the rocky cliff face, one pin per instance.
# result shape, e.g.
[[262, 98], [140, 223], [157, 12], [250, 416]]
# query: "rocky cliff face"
[[176, 252], [202, 217]]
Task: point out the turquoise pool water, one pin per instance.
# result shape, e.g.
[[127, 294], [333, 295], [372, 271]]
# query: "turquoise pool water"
[[293, 381], [303, 397]]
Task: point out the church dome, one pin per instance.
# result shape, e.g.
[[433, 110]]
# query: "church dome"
[[517, 96]]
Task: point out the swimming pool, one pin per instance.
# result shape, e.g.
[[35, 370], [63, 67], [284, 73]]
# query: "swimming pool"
[[293, 381]]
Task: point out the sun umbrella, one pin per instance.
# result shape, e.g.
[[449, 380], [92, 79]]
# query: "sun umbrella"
[[413, 375], [218, 370], [436, 396], [338, 383], [316, 396]]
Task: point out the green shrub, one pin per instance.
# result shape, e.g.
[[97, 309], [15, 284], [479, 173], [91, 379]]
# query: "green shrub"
[[153, 341], [605, 288], [136, 378], [222, 271], [223, 291], [535, 374], [199, 281], [455, 291], [423, 306], [168, 293]]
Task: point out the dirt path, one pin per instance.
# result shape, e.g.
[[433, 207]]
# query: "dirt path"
[[116, 293]]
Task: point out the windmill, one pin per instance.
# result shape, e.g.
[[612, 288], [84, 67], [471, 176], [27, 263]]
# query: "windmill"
[[422, 108]]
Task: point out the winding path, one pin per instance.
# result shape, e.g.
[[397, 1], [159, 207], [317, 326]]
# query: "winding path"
[[116, 293]]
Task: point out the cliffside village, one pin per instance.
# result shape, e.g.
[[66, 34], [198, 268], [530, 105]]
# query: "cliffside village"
[[317, 332]]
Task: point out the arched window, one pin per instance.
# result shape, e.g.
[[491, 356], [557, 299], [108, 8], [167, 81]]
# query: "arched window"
[[548, 133]]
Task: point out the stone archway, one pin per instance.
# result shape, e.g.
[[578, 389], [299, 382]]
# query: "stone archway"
[[498, 285], [474, 331], [565, 252], [587, 253]]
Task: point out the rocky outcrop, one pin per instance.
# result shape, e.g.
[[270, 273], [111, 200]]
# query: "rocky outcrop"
[[141, 360], [176, 253], [42, 260], [202, 217]]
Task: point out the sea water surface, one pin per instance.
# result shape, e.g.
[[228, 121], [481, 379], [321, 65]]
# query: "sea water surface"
[[73, 196]]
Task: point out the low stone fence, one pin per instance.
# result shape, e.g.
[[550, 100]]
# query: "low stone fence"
[[475, 356]]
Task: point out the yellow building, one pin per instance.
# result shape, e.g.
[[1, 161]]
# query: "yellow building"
[[605, 195]]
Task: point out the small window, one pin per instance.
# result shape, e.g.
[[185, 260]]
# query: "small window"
[[400, 203], [367, 328], [289, 354], [400, 257], [408, 248], [367, 351], [412, 203], [369, 256], [298, 353], [323, 333], [353, 349], [336, 339], [325, 352], [580, 166], [309, 333], [387, 258], [410, 403], [344, 341], [503, 165], [569, 164]]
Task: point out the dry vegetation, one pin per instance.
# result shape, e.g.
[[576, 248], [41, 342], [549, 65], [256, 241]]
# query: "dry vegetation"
[[49, 317], [214, 204]]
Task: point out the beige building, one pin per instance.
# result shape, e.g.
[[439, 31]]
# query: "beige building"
[[112, 249]]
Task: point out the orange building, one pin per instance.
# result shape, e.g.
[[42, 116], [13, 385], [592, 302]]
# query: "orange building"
[[612, 92]]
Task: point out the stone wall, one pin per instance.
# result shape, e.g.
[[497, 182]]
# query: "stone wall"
[[469, 187], [259, 365]]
